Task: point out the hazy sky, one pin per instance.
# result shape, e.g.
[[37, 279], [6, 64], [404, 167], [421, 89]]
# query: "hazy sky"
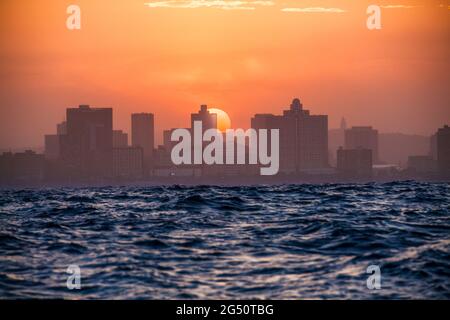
[[244, 57]]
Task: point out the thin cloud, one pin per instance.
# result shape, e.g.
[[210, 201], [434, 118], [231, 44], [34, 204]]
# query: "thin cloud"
[[397, 6], [314, 10], [218, 4]]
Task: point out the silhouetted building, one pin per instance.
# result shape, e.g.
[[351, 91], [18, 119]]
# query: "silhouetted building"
[[52, 146], [29, 166], [336, 139], [120, 139], [354, 163], [433, 146], [128, 163], [443, 150], [56, 169], [343, 124], [61, 128], [363, 137], [53, 142], [21, 168], [163, 157], [303, 138], [6, 168], [168, 144], [209, 120], [143, 133], [395, 148], [422, 164], [87, 148]]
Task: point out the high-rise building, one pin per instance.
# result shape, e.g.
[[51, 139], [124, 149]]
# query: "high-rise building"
[[87, 147], [53, 142], [363, 137], [6, 168], [21, 168], [354, 163], [209, 120], [168, 144], [343, 124], [120, 139], [163, 153], [52, 146], [128, 162], [336, 138], [303, 137], [443, 150], [61, 128], [288, 143], [143, 134]]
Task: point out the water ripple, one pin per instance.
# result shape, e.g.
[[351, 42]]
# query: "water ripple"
[[178, 242]]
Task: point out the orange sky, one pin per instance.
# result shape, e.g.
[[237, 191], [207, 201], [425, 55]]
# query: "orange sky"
[[170, 60]]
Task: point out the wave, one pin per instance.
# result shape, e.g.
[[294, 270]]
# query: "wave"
[[264, 242]]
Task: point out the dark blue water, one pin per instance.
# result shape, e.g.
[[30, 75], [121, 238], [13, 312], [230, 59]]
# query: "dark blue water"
[[287, 242]]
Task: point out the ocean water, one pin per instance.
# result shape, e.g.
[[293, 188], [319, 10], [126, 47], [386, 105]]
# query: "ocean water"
[[209, 242]]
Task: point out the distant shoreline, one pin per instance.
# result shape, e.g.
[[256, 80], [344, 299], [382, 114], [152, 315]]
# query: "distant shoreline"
[[225, 182]]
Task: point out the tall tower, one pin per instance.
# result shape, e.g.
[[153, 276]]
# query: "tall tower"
[[303, 137], [120, 139], [343, 124], [87, 145], [209, 120], [363, 137], [143, 133]]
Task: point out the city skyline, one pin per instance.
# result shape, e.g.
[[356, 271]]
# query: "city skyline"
[[159, 130], [169, 60], [87, 148]]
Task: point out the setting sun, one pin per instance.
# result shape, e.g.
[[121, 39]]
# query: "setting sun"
[[223, 120]]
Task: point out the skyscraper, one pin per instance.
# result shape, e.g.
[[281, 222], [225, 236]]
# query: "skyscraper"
[[209, 120], [343, 124], [288, 142], [128, 162], [143, 134], [354, 163], [61, 128], [52, 146], [363, 137], [120, 139], [336, 138], [53, 141], [303, 137], [87, 147]]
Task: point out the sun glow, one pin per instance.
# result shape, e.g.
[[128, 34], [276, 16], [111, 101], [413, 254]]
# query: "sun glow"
[[223, 120]]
